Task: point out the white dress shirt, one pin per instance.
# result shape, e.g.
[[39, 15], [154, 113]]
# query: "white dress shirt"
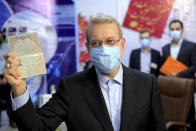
[[145, 61], [174, 50], [112, 90], [19, 101]]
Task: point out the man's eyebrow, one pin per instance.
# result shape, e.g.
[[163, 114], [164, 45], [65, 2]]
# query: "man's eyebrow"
[[106, 38], [111, 37]]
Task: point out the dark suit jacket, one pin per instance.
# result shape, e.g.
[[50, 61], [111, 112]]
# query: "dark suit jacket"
[[80, 103], [186, 55], [134, 61]]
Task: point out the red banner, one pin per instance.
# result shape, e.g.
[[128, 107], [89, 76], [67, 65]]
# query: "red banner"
[[150, 15]]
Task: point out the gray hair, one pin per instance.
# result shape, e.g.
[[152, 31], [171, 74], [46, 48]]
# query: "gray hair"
[[102, 20]]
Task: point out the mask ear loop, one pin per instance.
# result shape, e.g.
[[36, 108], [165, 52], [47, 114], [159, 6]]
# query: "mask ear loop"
[[120, 49], [120, 41]]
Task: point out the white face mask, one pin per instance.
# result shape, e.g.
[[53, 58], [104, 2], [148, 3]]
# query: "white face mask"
[[175, 35], [105, 59], [145, 43]]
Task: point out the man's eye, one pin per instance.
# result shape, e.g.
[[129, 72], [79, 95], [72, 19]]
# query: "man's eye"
[[94, 43], [177, 28], [110, 41]]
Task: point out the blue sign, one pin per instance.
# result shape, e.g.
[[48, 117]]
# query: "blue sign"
[[55, 21]]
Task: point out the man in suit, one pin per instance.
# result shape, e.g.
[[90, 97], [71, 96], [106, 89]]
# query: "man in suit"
[[185, 52], [181, 50], [107, 97], [145, 58]]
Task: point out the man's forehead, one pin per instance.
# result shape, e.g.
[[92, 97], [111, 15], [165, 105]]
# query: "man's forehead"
[[145, 34], [103, 25], [176, 24], [106, 30]]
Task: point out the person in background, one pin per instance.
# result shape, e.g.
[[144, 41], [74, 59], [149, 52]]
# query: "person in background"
[[4, 86], [185, 52], [3, 50], [3, 80], [106, 97], [145, 59], [180, 49]]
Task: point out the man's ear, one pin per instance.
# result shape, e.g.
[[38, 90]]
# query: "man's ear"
[[123, 44], [87, 46], [182, 30]]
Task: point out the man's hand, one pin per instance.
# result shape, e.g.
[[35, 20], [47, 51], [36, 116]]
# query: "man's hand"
[[173, 74], [13, 73]]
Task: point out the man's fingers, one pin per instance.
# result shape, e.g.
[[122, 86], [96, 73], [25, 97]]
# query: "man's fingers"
[[13, 71], [13, 61], [7, 55]]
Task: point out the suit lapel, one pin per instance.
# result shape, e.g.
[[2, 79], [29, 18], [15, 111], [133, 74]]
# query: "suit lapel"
[[93, 95], [129, 98], [168, 50], [180, 54], [151, 59], [152, 55], [138, 59]]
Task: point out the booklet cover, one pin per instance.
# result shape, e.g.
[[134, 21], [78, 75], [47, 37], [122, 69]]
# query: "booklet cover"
[[28, 50]]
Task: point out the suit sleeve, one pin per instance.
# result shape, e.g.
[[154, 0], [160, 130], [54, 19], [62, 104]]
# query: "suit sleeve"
[[158, 63], [46, 118], [159, 60], [163, 57], [157, 109], [190, 72]]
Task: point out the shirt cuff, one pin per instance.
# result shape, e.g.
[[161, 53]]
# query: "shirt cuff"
[[19, 101]]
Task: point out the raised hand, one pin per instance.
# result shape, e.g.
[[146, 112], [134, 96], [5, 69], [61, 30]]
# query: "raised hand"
[[12, 73]]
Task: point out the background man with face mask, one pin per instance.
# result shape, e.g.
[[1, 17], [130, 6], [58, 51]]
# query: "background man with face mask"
[[180, 49], [145, 58], [185, 52], [107, 97]]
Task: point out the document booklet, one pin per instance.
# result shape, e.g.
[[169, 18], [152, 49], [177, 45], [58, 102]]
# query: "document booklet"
[[28, 50]]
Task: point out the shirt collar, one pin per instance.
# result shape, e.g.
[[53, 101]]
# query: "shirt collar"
[[118, 77], [146, 52], [178, 44]]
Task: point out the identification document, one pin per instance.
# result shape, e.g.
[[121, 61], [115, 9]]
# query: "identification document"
[[28, 50]]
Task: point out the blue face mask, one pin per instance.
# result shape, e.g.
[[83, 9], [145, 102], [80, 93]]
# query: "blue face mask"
[[105, 59], [175, 35], [145, 43]]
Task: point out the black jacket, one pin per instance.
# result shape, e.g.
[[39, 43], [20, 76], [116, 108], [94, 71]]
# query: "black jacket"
[[134, 61], [80, 103], [186, 55]]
